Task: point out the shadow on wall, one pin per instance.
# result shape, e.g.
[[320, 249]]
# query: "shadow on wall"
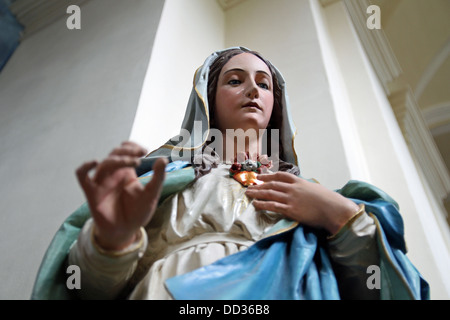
[[10, 33]]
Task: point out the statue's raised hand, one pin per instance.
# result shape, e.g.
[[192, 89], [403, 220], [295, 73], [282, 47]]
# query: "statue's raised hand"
[[120, 204]]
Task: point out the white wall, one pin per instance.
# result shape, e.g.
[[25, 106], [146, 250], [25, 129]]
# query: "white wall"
[[66, 96], [188, 33]]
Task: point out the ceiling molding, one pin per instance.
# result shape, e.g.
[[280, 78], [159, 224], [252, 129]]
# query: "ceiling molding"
[[441, 130], [420, 141], [439, 59], [325, 3], [375, 43], [35, 15], [437, 115], [228, 4]]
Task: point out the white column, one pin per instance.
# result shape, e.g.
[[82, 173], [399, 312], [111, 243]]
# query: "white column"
[[188, 32]]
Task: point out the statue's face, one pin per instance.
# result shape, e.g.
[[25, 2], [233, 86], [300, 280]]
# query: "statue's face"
[[244, 96]]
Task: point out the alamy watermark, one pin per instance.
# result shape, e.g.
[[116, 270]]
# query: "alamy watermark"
[[74, 280], [224, 146], [74, 20], [374, 280], [374, 20]]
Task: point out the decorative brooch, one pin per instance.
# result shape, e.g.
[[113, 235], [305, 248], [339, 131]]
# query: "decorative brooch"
[[244, 170]]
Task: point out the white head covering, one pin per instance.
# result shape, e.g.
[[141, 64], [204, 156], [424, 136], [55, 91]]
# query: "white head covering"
[[195, 128]]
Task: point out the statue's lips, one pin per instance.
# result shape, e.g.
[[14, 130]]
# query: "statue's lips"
[[252, 105]]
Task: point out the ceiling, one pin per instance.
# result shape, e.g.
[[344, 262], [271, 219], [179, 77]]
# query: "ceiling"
[[419, 34]]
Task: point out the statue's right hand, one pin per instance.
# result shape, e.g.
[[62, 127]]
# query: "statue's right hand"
[[120, 204]]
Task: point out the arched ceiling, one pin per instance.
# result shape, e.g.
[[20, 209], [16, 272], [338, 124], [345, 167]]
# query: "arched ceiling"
[[419, 34]]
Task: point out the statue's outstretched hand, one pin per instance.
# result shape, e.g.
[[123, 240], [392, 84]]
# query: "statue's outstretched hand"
[[120, 204]]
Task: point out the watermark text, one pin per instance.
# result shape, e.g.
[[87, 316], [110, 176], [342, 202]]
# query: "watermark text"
[[74, 20]]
